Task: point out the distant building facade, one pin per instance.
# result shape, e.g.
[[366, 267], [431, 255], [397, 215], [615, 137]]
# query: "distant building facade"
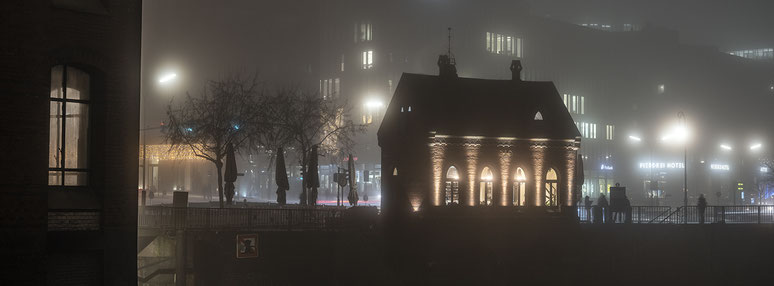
[[70, 80], [448, 140], [615, 80]]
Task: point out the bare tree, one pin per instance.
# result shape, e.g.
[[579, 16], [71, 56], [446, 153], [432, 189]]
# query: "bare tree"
[[310, 120], [228, 111]]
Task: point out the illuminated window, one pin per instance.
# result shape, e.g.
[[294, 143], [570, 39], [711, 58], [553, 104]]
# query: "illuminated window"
[[485, 187], [452, 188], [395, 171], [587, 130], [755, 54], [330, 88], [342, 63], [575, 104], [503, 44], [538, 116], [551, 186], [368, 59], [519, 188], [409, 108], [609, 132], [68, 127], [363, 32], [661, 89]]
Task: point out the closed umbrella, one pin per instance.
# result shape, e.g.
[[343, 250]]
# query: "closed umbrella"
[[311, 176], [579, 179], [230, 174], [281, 178], [352, 197]]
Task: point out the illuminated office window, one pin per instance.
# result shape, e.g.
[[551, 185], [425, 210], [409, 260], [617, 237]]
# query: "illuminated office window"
[[504, 44], [609, 132], [363, 32], [368, 59]]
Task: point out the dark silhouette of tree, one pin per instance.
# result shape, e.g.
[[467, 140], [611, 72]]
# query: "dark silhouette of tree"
[[310, 120], [228, 111]]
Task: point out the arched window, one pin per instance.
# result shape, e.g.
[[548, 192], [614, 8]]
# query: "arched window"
[[538, 116], [552, 183], [519, 188], [485, 187], [68, 143], [452, 188], [395, 171]]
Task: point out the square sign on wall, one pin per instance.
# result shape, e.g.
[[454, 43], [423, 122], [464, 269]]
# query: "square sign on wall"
[[246, 245]]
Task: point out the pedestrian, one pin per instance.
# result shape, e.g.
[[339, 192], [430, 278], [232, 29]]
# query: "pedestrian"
[[602, 204], [587, 204], [702, 206]]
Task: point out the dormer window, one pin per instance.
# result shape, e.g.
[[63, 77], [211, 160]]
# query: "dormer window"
[[538, 116]]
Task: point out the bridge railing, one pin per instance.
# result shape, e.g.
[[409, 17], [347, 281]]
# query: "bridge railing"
[[234, 218], [726, 214], [681, 215]]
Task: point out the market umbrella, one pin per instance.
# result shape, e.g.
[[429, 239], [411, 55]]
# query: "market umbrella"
[[281, 177], [230, 174], [352, 197], [311, 176]]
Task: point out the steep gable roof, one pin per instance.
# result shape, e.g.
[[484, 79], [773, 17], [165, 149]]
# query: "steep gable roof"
[[482, 107]]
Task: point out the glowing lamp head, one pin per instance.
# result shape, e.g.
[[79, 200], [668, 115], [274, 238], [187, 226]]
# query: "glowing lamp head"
[[374, 104], [635, 138], [167, 78], [726, 147], [756, 146]]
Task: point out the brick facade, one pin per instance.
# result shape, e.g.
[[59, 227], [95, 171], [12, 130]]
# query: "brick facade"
[[48, 231]]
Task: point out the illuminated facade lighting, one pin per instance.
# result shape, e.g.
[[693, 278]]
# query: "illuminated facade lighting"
[[725, 147], [756, 146]]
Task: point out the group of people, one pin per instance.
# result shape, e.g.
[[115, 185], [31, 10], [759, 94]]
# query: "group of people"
[[603, 205]]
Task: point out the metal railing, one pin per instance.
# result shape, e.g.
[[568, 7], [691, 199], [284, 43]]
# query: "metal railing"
[[750, 214], [242, 219], [639, 214], [726, 214]]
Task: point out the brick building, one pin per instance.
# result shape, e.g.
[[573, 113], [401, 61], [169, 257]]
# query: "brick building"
[[448, 140], [69, 78]]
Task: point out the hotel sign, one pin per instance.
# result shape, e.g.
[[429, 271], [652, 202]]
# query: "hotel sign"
[[722, 167], [662, 165]]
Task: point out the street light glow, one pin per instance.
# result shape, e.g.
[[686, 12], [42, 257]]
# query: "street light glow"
[[756, 146], [635, 138], [167, 78], [374, 104], [725, 147]]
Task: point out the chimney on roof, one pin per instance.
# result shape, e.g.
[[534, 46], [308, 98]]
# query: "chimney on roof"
[[516, 70], [446, 67]]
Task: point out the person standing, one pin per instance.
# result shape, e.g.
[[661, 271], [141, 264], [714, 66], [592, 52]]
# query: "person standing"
[[604, 209], [702, 206], [587, 204]]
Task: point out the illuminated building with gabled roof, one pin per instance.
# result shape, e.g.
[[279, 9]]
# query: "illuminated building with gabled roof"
[[448, 140]]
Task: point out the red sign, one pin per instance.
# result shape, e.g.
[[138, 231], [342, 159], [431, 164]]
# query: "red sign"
[[246, 245]]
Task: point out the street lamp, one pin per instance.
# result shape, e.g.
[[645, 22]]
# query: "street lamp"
[[684, 135], [165, 79]]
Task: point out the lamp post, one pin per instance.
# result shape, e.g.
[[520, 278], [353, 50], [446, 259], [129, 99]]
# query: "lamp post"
[[681, 118], [144, 128]]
